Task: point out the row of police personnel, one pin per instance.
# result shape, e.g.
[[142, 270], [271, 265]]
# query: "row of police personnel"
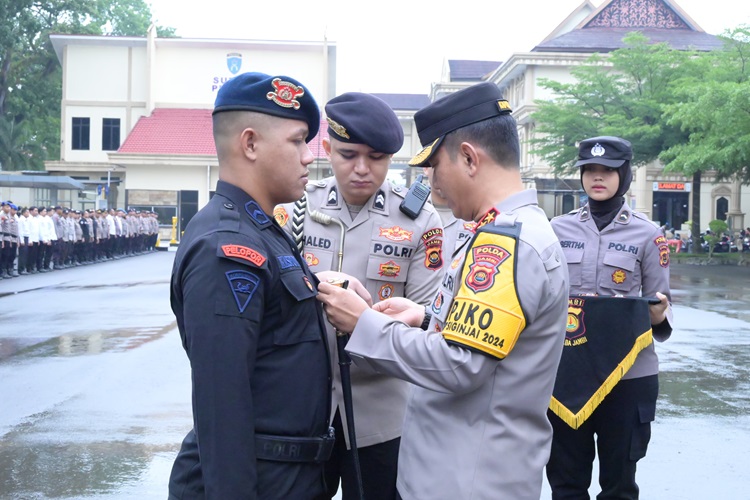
[[455, 358], [41, 239]]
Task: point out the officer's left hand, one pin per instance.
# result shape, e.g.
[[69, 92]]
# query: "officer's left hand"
[[658, 312], [343, 307]]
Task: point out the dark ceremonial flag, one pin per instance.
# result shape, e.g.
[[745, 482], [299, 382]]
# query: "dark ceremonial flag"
[[602, 340]]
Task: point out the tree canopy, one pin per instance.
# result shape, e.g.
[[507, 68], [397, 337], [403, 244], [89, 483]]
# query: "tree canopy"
[[31, 76], [690, 110]]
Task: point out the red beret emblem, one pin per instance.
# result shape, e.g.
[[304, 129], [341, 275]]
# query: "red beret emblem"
[[286, 93]]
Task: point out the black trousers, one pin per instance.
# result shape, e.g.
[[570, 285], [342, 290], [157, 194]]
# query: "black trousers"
[[622, 425], [379, 464]]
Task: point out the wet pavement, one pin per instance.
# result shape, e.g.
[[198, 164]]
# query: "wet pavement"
[[95, 385]]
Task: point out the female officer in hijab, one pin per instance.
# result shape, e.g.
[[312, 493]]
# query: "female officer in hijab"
[[611, 250]]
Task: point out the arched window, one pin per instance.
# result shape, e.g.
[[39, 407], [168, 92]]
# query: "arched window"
[[722, 207]]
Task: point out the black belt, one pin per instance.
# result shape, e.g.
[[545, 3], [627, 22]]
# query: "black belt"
[[294, 449]]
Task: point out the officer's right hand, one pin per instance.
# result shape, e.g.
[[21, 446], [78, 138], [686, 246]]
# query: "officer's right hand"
[[354, 284], [402, 309]]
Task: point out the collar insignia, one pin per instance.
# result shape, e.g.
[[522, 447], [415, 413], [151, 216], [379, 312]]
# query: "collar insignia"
[[286, 94], [379, 202], [338, 128], [254, 211], [490, 216], [333, 197]]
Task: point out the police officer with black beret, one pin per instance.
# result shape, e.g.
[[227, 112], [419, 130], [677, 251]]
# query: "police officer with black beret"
[[390, 253], [246, 310]]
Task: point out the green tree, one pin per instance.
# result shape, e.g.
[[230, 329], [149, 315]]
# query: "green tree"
[[625, 95], [17, 145], [30, 74]]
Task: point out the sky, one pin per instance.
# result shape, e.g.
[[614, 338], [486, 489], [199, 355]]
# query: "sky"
[[395, 46]]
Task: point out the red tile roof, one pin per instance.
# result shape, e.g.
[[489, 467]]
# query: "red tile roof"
[[173, 131]]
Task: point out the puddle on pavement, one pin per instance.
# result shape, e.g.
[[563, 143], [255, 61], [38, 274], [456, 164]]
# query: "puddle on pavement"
[[97, 342], [72, 470]]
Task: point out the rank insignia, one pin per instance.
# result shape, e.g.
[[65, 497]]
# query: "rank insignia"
[[389, 269], [386, 291], [244, 253], [307, 282], [490, 216], [333, 197], [281, 216], [285, 94], [243, 285], [256, 213], [311, 259], [396, 233], [379, 203], [619, 276], [486, 263], [338, 128]]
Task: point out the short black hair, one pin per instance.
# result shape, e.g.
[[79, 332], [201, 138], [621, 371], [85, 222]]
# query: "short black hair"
[[497, 135]]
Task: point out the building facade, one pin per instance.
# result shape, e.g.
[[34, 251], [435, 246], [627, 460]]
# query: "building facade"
[[664, 196]]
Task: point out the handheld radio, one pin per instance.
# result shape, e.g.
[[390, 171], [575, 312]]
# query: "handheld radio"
[[415, 198]]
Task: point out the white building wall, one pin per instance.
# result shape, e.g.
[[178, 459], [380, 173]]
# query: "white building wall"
[[96, 74], [190, 76]]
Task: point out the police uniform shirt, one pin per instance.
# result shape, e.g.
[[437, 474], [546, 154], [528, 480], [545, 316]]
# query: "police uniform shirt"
[[476, 424], [249, 321], [629, 257], [456, 231], [4, 226], [393, 256]]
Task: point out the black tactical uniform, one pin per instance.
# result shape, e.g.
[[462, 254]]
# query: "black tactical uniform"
[[246, 310]]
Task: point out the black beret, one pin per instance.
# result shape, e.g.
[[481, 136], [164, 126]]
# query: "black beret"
[[359, 118], [605, 150], [470, 105], [280, 96]]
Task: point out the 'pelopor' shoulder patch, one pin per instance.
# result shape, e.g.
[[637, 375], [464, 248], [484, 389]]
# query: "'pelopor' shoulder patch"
[[486, 314], [244, 253]]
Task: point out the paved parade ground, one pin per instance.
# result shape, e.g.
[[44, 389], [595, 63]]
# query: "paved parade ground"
[[95, 385]]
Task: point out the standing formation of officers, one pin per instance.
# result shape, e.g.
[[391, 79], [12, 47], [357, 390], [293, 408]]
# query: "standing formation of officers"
[[41, 239], [456, 345]]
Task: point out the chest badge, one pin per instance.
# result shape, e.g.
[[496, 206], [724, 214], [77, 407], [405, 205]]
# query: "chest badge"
[[619, 276], [311, 259], [389, 269], [395, 233]]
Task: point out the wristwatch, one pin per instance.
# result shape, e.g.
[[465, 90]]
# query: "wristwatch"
[[426, 321]]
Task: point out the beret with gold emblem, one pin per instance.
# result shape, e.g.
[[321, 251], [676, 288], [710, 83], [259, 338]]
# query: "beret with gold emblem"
[[359, 118], [280, 96], [465, 107]]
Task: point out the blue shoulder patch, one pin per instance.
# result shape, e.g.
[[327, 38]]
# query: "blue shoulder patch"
[[243, 285], [254, 211]]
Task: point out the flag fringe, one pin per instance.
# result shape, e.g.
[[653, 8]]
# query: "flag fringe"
[[575, 420]]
